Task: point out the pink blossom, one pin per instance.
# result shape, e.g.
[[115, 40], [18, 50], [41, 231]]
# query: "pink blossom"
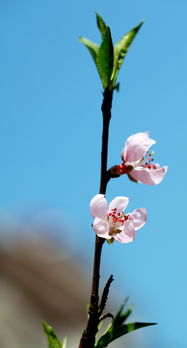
[[110, 221], [138, 162]]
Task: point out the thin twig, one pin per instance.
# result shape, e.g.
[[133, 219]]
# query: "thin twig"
[[88, 336], [105, 295]]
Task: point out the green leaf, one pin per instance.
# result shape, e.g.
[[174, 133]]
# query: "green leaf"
[[115, 332], [100, 325], [120, 51], [117, 328], [91, 46], [105, 58], [117, 319], [64, 342], [53, 341], [121, 317], [101, 25]]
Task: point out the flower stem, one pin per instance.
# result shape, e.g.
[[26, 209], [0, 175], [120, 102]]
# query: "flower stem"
[[106, 110], [88, 336]]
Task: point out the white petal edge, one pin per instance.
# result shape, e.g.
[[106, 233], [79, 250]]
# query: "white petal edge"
[[99, 206], [128, 233], [136, 147], [139, 217], [119, 203], [101, 228], [149, 176]]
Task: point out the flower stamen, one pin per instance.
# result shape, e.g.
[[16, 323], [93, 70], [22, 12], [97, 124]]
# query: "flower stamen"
[[116, 221]]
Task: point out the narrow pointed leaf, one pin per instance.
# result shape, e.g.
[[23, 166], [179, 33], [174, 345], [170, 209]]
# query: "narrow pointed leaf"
[[119, 317], [101, 25], [105, 58], [100, 325], [53, 341], [126, 328], [127, 314], [120, 50], [123, 317], [91, 46], [114, 333], [64, 342]]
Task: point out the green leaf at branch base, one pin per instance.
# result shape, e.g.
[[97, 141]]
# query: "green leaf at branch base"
[[122, 316], [118, 328], [53, 341], [114, 333]]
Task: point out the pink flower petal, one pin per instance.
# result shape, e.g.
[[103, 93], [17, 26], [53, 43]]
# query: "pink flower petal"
[[136, 147], [119, 203], [128, 233], [101, 228], [138, 217], [99, 206], [149, 176]]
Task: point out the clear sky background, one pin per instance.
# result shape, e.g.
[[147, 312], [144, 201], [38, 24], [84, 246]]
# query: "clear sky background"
[[50, 138]]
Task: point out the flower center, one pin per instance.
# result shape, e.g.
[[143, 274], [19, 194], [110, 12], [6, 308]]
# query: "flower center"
[[127, 167], [146, 161], [116, 221]]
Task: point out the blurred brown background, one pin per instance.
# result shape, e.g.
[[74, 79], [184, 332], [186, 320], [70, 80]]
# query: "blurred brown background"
[[41, 278]]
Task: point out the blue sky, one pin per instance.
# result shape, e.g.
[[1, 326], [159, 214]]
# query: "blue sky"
[[50, 138]]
